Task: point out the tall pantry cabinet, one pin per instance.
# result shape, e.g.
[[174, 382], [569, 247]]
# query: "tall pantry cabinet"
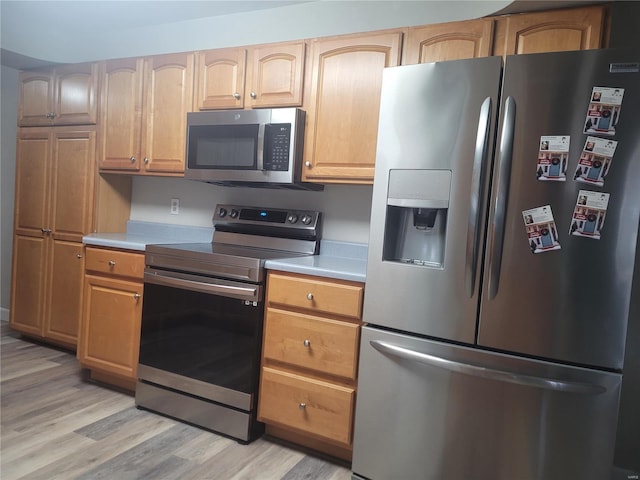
[[56, 204]]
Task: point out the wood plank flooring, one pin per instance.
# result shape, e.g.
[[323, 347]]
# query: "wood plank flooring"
[[56, 424]]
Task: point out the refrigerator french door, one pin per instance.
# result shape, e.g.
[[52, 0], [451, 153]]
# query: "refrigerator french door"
[[499, 354]]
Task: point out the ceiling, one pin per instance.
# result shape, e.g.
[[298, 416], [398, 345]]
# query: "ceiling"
[[94, 16], [122, 14], [73, 19]]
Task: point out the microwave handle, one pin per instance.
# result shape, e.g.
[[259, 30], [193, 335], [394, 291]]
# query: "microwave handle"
[[260, 152]]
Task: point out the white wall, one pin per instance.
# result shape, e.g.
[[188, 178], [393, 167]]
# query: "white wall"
[[346, 208], [9, 114]]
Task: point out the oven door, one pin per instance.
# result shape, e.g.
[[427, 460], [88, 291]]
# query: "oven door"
[[202, 336]]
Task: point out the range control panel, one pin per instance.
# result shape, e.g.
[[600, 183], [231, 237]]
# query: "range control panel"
[[237, 214]]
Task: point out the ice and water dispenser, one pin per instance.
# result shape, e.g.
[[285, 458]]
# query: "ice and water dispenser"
[[416, 222]]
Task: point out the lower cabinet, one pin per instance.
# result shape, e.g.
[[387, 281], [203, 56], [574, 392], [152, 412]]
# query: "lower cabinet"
[[47, 281], [309, 361], [110, 331]]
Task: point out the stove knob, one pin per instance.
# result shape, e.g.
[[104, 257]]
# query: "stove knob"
[[306, 219], [234, 214], [222, 212], [293, 218]]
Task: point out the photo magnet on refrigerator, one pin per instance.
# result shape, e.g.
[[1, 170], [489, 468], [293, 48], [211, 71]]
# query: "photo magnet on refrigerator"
[[589, 213], [542, 232], [595, 161], [604, 110], [553, 156]]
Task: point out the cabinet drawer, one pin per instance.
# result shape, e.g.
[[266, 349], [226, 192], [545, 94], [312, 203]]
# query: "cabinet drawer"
[[318, 295], [324, 345], [319, 408], [114, 262]]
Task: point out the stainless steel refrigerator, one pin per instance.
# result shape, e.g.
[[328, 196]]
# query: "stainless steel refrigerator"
[[504, 234]]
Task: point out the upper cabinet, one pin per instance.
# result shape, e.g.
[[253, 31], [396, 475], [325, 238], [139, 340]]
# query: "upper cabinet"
[[257, 77], [66, 95], [551, 31], [342, 107], [448, 41], [220, 78], [144, 113]]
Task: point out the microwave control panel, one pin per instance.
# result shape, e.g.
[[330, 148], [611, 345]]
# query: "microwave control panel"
[[277, 146]]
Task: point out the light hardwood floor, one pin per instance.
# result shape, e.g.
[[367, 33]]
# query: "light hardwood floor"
[[56, 424]]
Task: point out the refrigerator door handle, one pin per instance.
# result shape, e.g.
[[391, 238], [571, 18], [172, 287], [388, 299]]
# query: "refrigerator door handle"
[[487, 372], [482, 143], [502, 194]]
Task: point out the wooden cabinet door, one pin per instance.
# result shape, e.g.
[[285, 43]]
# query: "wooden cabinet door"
[[554, 30], [72, 183], [448, 41], [121, 115], [168, 98], [76, 94], [275, 75], [67, 95], [64, 296], [32, 181], [343, 106], [35, 105], [316, 407], [111, 325], [28, 284], [220, 78]]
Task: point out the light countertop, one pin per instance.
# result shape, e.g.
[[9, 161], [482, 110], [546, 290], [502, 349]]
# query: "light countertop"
[[340, 260], [141, 234]]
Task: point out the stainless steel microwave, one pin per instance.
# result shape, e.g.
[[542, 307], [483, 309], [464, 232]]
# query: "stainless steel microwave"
[[257, 148]]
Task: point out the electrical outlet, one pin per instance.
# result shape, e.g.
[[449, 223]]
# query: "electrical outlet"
[[175, 206]]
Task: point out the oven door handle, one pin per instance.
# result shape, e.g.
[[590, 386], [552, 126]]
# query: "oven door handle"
[[196, 283]]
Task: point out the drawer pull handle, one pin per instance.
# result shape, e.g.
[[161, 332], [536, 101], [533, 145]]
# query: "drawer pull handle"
[[309, 296], [307, 343], [302, 406], [112, 263]]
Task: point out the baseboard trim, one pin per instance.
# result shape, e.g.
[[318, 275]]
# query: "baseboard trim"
[[4, 314]]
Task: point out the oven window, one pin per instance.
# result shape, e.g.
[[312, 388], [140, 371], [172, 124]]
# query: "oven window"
[[203, 336], [223, 146]]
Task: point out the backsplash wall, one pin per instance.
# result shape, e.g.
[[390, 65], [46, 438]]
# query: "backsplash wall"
[[346, 208]]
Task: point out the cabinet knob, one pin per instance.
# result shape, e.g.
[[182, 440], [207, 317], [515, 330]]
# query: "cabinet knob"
[[236, 96], [132, 159], [307, 343], [307, 164], [46, 231], [78, 255], [136, 296], [112, 263], [302, 405], [146, 160], [309, 296], [253, 94]]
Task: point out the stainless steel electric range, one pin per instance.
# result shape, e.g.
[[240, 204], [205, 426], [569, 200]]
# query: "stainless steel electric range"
[[202, 317]]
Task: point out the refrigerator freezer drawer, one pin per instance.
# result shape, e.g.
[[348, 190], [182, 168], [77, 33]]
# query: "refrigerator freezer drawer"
[[435, 411]]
